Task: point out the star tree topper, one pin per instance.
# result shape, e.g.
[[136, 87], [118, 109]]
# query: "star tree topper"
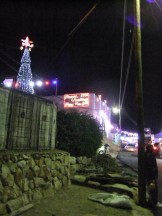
[[27, 43]]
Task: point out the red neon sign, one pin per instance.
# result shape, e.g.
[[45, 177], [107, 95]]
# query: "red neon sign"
[[76, 100]]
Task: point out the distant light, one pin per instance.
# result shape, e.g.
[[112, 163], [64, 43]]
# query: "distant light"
[[99, 96], [115, 110], [132, 20], [150, 1], [54, 82], [39, 83], [31, 83], [8, 82], [16, 85], [47, 82]]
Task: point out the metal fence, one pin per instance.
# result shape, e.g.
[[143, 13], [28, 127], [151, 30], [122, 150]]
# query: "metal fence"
[[27, 122]]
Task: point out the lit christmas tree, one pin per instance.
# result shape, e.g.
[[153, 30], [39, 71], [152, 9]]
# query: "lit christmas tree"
[[24, 78]]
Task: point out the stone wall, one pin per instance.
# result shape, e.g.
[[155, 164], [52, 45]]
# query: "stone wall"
[[26, 177], [79, 163]]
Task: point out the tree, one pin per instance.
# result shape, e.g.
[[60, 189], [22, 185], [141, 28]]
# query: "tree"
[[24, 78], [78, 133]]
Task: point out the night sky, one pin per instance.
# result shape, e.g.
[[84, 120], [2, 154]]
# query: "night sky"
[[86, 57]]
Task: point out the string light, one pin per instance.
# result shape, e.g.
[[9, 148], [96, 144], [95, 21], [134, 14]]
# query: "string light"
[[24, 78]]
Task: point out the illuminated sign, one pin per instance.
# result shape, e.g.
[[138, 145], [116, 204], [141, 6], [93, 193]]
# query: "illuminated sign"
[[76, 100]]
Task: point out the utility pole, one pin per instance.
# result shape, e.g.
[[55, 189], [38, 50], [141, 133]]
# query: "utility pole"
[[140, 110]]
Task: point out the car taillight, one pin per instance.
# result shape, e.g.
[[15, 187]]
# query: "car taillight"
[[155, 148]]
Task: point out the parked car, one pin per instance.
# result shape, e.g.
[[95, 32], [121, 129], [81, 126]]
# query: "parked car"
[[130, 147], [158, 150]]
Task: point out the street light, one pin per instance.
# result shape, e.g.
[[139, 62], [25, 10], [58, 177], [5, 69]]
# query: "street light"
[[115, 110]]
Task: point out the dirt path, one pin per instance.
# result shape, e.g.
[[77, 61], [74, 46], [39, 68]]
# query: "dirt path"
[[73, 201]]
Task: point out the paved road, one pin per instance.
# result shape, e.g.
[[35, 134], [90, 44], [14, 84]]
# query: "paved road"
[[131, 159]]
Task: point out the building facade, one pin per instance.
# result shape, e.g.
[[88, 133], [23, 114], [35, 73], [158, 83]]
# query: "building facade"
[[89, 103]]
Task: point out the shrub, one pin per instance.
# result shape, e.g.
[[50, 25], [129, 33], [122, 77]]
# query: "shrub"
[[78, 133]]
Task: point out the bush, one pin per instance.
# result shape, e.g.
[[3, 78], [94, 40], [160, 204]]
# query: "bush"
[[78, 133], [106, 162]]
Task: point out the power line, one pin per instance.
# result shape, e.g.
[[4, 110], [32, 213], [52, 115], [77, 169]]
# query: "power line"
[[128, 68], [82, 20], [11, 58], [71, 34], [158, 5], [122, 59], [8, 65]]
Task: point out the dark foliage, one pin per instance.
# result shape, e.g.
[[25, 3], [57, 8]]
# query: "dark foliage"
[[106, 162], [78, 133]]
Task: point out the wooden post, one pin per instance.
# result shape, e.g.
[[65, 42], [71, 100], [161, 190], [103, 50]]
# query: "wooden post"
[[140, 110]]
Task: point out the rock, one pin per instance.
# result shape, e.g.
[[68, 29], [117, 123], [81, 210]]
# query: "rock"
[[22, 210], [19, 177], [21, 164], [8, 181], [14, 158], [67, 159], [25, 185], [3, 209], [13, 168], [73, 168], [31, 184], [29, 173], [57, 183], [64, 180], [11, 193], [72, 160], [14, 204], [35, 170], [62, 169], [31, 163], [48, 162], [37, 195], [40, 161], [25, 199], [26, 157], [39, 182], [5, 171], [53, 165]]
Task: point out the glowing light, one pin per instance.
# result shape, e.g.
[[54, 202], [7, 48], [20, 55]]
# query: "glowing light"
[[26, 43], [16, 85], [76, 100], [108, 125], [133, 21], [8, 82], [39, 83], [47, 82], [31, 83], [150, 1], [115, 110], [54, 82], [99, 96]]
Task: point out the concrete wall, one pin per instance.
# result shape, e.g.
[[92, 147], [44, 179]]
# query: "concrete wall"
[[26, 177]]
